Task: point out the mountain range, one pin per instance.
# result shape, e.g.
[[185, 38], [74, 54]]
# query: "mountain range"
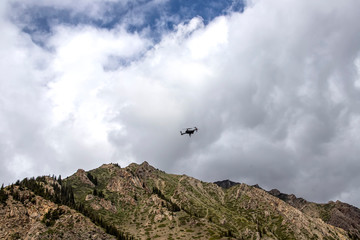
[[142, 202]]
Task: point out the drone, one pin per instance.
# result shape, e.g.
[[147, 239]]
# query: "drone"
[[189, 131]]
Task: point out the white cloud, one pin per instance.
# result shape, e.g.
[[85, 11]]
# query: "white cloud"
[[274, 92]]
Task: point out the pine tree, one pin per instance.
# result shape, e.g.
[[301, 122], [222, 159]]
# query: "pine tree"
[[92, 179], [59, 180], [3, 195]]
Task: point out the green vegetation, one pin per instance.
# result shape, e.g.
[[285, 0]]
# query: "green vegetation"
[[3, 195], [63, 194], [15, 236], [98, 193], [171, 206], [94, 180], [51, 216], [325, 211]]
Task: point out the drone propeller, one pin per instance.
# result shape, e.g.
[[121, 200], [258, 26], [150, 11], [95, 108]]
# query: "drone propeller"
[[190, 128]]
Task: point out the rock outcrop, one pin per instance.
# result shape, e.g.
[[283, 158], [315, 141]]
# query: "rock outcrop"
[[28, 216]]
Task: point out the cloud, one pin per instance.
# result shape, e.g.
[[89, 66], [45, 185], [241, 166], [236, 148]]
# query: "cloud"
[[290, 84], [51, 115], [274, 92]]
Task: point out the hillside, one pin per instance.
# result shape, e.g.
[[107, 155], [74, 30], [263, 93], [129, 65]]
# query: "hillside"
[[25, 215], [142, 202], [337, 213]]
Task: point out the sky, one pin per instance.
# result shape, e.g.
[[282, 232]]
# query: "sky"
[[272, 86]]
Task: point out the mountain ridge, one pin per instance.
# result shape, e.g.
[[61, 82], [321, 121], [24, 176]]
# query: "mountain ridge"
[[342, 215], [142, 202]]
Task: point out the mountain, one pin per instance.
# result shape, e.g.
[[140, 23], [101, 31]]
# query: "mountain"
[[337, 213], [142, 202]]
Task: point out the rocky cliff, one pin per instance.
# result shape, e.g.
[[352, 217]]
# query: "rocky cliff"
[[25, 215]]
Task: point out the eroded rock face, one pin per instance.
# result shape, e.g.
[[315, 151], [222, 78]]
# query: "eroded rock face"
[[119, 183], [144, 170], [345, 216], [81, 174], [100, 203], [304, 224], [159, 210], [116, 183], [123, 182], [25, 220]]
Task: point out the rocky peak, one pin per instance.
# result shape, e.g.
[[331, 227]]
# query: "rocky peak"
[[146, 165], [275, 192], [110, 165], [257, 186], [145, 169], [82, 176], [289, 198], [226, 183], [80, 171]]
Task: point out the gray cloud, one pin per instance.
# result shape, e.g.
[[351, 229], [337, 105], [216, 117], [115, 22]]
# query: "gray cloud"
[[274, 92]]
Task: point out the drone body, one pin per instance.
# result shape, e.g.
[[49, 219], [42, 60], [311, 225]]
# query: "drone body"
[[189, 131]]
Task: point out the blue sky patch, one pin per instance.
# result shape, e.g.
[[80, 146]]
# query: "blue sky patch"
[[135, 15]]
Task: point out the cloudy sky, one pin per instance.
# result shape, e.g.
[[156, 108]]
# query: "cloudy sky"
[[273, 86]]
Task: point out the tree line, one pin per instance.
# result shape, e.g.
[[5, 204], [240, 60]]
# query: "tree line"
[[62, 194], [3, 195]]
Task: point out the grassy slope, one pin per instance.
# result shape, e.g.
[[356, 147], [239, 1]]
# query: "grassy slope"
[[207, 211]]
